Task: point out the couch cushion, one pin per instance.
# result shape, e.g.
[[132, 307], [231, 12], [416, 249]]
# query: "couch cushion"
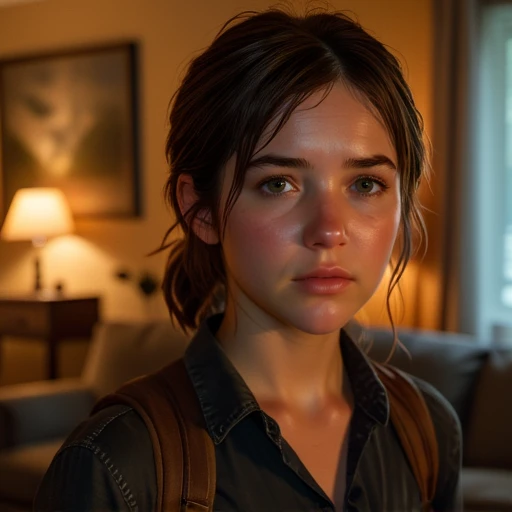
[[450, 362], [487, 490], [22, 469], [120, 352], [489, 441]]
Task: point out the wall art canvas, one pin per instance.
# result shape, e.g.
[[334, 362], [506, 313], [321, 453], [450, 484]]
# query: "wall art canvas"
[[69, 120]]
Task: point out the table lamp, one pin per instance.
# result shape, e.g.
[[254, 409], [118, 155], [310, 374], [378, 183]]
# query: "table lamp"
[[37, 214]]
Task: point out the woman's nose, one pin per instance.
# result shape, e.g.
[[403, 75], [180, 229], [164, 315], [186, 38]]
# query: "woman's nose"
[[326, 222]]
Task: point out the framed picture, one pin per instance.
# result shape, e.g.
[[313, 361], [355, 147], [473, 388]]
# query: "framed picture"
[[69, 120]]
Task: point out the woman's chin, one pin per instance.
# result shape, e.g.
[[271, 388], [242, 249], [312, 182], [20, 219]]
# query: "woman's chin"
[[320, 324]]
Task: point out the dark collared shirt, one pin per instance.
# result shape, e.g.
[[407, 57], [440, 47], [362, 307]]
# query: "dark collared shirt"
[[107, 462]]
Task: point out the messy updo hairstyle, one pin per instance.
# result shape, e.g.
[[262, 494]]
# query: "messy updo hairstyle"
[[258, 69]]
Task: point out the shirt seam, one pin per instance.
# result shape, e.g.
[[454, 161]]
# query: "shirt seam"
[[116, 475], [98, 430]]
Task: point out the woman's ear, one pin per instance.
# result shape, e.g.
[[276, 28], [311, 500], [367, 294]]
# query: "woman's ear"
[[202, 224]]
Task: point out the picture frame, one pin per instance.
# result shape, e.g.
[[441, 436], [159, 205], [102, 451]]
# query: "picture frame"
[[69, 120]]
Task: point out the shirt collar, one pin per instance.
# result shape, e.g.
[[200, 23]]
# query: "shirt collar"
[[369, 393], [225, 398]]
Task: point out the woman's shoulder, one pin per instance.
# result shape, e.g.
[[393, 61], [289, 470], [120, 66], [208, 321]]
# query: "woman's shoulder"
[[105, 464], [113, 430], [443, 414]]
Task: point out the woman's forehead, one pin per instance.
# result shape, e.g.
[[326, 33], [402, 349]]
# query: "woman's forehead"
[[330, 121]]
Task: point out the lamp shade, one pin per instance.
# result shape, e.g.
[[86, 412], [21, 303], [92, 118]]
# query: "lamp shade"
[[37, 213]]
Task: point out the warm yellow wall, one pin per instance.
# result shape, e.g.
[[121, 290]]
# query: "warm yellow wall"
[[170, 32]]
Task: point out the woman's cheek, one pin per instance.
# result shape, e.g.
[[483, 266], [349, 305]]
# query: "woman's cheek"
[[375, 236], [251, 236]]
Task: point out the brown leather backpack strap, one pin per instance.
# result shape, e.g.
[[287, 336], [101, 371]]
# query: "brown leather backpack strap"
[[411, 418], [199, 452], [183, 451]]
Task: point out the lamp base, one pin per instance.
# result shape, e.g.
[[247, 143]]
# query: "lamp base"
[[37, 274]]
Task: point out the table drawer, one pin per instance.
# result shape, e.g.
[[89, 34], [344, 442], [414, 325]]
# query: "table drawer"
[[24, 319]]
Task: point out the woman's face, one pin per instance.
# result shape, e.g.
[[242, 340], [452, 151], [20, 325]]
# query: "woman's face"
[[323, 194]]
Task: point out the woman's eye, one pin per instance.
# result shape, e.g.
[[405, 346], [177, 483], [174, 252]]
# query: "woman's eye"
[[276, 186], [367, 186]]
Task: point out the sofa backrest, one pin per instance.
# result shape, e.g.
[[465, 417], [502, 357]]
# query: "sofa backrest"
[[451, 362], [123, 351], [489, 437]]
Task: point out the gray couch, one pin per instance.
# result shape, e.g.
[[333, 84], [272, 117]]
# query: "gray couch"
[[36, 417]]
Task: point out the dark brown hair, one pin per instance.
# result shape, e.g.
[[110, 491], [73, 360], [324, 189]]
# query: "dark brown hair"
[[258, 69]]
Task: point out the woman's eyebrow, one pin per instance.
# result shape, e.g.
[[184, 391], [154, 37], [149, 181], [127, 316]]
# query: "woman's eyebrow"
[[279, 161], [301, 163], [372, 161]]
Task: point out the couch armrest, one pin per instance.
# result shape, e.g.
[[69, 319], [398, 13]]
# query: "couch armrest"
[[42, 410]]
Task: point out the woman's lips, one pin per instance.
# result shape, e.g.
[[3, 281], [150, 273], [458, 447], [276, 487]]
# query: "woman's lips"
[[323, 285], [326, 272]]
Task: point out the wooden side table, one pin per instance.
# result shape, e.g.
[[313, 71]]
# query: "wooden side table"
[[51, 319]]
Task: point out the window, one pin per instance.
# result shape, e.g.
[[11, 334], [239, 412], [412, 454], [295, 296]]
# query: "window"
[[494, 181], [506, 292]]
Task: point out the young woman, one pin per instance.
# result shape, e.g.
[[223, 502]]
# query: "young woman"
[[295, 151]]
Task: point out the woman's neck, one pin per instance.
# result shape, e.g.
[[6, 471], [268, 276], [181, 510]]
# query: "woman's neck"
[[285, 366]]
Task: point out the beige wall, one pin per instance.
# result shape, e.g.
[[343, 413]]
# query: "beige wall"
[[170, 32]]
